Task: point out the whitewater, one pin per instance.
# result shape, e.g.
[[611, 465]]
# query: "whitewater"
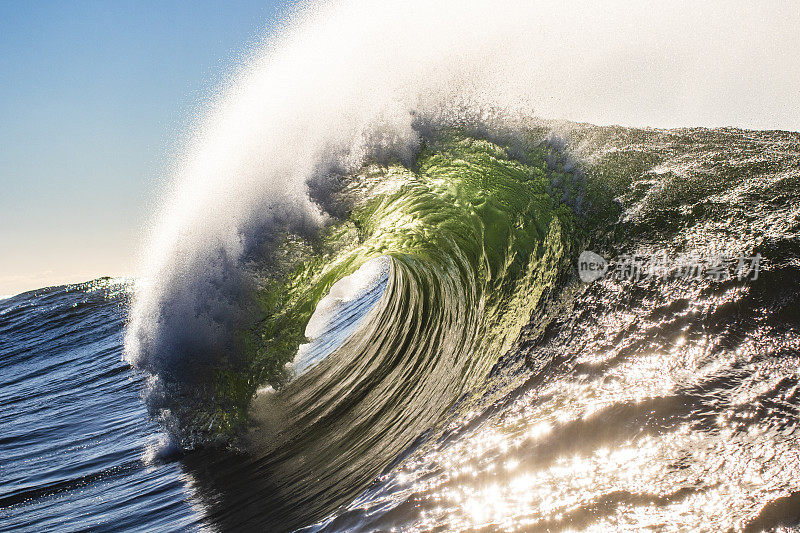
[[360, 308]]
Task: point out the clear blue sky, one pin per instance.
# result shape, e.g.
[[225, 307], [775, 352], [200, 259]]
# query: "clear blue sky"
[[92, 97]]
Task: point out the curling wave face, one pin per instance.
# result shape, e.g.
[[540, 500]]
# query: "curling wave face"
[[470, 242], [474, 242]]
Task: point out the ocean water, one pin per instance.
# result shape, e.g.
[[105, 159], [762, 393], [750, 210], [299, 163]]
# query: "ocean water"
[[464, 378], [75, 432], [364, 303]]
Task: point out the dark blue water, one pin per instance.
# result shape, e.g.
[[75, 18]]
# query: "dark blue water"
[[74, 433]]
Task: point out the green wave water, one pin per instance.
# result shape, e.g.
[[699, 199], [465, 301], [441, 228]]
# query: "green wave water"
[[479, 233]]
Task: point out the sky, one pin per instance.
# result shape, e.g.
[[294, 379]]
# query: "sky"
[[93, 97]]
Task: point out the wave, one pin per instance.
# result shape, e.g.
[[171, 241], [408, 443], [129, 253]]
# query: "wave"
[[473, 236], [363, 223]]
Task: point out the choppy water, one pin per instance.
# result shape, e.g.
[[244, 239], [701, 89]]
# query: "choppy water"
[[74, 430]]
